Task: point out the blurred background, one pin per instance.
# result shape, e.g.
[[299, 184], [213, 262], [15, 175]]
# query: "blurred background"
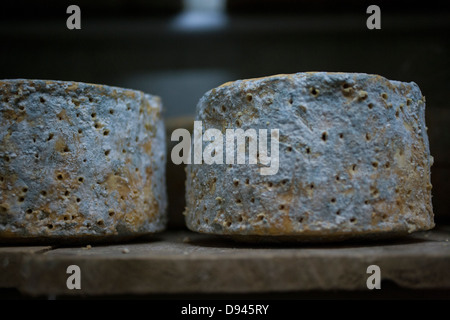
[[179, 49]]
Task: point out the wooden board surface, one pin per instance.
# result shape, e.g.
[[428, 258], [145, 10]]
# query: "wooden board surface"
[[184, 262]]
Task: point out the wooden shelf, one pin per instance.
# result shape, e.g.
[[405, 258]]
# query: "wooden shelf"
[[181, 262]]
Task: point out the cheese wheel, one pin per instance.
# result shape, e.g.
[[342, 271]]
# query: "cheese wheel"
[[354, 160], [79, 162]]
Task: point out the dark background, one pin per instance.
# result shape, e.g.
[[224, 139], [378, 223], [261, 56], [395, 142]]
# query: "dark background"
[[178, 52]]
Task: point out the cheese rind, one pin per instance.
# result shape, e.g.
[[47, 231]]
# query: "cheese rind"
[[79, 161], [354, 159]]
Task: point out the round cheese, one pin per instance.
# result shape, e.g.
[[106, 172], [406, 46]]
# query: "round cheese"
[[354, 159], [79, 162]]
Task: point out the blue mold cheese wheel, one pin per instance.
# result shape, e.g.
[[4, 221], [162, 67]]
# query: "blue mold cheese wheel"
[[354, 160], [79, 162]]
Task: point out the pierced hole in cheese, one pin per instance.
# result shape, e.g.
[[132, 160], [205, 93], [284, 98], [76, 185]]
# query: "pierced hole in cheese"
[[206, 220], [300, 219], [21, 199], [107, 152], [354, 167], [228, 224], [260, 217], [240, 219], [7, 159], [223, 108], [96, 125], [36, 155], [384, 95], [341, 135], [270, 184], [238, 122], [252, 200], [408, 102], [387, 165], [346, 86], [289, 149], [111, 111], [311, 186], [50, 136], [370, 105], [2, 179], [198, 221], [236, 183], [81, 179], [78, 199], [397, 113], [25, 189], [21, 107], [91, 99], [78, 115], [29, 211], [59, 176], [314, 91], [324, 136], [333, 200], [84, 160], [367, 136], [88, 225], [281, 207], [366, 202], [106, 132], [80, 131], [213, 110], [247, 181], [66, 193], [308, 150], [337, 178], [214, 180], [249, 97], [291, 101], [283, 182], [42, 99], [66, 218], [338, 212], [238, 201], [66, 149], [384, 216], [352, 220], [136, 169], [100, 223], [375, 164], [122, 197], [44, 193], [34, 139], [50, 226], [204, 208]]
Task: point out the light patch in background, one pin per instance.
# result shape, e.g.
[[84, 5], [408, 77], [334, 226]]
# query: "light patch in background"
[[201, 15], [180, 90]]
